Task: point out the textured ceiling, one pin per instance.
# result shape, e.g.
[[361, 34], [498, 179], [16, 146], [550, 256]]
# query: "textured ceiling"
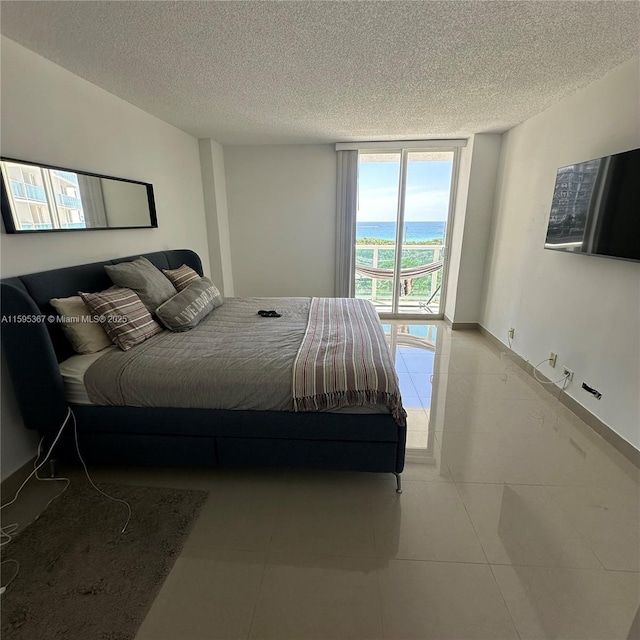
[[289, 72]]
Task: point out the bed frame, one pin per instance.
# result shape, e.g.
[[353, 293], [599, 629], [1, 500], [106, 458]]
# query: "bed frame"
[[170, 436]]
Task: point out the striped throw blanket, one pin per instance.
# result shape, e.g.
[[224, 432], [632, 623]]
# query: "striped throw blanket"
[[344, 360]]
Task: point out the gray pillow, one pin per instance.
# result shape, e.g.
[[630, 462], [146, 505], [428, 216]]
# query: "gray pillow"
[[189, 307], [85, 335], [152, 287]]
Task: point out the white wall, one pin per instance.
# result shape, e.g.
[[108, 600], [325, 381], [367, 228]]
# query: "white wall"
[[479, 162], [477, 225], [457, 232], [282, 217], [217, 214], [51, 115], [584, 308]]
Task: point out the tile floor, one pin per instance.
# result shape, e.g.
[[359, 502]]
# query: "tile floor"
[[516, 521]]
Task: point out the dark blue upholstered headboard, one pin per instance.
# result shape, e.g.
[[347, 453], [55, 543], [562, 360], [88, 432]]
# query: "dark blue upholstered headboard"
[[33, 350]]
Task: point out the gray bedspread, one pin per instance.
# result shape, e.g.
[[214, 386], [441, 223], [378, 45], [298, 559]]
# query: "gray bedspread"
[[234, 359]]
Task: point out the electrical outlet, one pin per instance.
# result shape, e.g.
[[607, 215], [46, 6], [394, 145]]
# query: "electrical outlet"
[[512, 333], [552, 359], [568, 373]]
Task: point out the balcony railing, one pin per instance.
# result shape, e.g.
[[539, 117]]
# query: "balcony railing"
[[28, 191], [68, 201], [29, 226], [36, 193], [415, 291], [66, 175]]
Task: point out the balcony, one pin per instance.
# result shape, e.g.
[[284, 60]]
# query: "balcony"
[[419, 294], [35, 193], [25, 191], [30, 225], [67, 176], [68, 201]]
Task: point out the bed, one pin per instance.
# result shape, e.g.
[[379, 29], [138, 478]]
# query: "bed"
[[123, 419]]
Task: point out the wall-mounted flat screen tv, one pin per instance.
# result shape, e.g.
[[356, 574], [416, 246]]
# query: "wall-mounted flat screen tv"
[[596, 208]]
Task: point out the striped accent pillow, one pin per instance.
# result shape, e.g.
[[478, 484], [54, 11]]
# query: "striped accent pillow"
[[125, 319], [181, 277]]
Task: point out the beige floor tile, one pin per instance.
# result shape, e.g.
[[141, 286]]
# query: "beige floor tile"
[[521, 524], [560, 455], [489, 457], [493, 416], [443, 600], [239, 514], [327, 515], [490, 386], [341, 555], [424, 464], [567, 456], [382, 482], [418, 439], [312, 597], [417, 419], [569, 603], [608, 519], [427, 521], [571, 426], [457, 343], [208, 595], [425, 467], [478, 360]]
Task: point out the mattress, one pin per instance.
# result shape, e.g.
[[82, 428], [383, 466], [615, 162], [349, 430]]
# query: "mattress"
[[75, 389], [73, 370]]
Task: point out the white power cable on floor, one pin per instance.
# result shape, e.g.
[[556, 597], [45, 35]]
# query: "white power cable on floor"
[[86, 471], [6, 533], [36, 469], [54, 479]]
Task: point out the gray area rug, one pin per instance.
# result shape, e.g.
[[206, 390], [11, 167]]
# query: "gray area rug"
[[79, 578]]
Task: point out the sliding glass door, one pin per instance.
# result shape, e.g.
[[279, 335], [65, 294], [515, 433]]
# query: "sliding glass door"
[[377, 227], [404, 203]]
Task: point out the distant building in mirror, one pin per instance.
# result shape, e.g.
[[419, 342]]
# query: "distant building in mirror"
[[42, 198], [29, 190]]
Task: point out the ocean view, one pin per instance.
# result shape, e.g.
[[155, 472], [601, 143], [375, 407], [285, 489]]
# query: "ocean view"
[[414, 231]]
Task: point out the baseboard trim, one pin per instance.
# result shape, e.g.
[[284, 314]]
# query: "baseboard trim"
[[12, 482], [603, 430], [465, 326], [461, 326]]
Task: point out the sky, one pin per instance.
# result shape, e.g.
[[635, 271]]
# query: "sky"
[[428, 185]]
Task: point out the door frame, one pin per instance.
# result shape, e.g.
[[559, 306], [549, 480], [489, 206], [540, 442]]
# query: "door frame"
[[404, 149]]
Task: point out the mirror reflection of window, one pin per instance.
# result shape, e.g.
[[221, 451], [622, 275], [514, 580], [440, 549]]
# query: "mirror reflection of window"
[[69, 205], [40, 198], [26, 185]]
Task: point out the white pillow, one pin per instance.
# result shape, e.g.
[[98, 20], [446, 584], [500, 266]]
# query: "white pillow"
[[85, 335]]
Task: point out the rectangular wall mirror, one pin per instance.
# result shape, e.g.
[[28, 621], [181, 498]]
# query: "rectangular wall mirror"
[[37, 197]]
